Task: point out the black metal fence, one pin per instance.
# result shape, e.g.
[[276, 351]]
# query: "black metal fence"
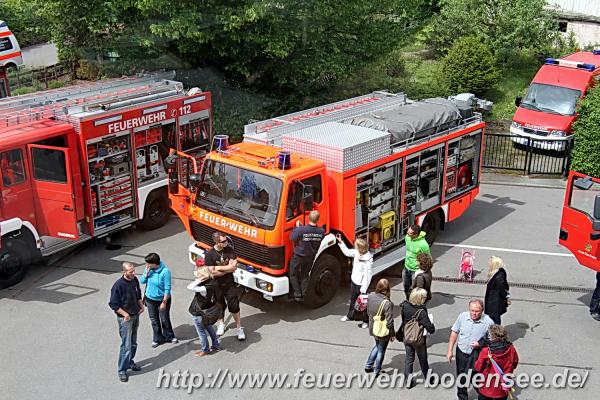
[[529, 155]]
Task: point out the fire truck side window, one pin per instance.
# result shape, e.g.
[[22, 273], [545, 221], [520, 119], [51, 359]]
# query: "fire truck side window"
[[583, 200], [294, 200], [11, 164], [49, 165]]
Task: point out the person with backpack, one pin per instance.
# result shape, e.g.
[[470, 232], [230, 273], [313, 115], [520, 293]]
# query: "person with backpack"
[[497, 290], [381, 324], [497, 359], [415, 319], [205, 309], [360, 279], [415, 243], [423, 275]]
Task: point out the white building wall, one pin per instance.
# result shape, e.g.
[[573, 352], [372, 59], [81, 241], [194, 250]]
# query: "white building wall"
[[582, 7], [586, 33]]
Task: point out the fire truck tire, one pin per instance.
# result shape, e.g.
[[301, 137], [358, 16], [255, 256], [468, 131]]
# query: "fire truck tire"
[[323, 282], [432, 225], [156, 211], [14, 261]]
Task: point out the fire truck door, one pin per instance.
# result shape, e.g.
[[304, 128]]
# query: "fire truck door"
[[580, 224], [53, 191]]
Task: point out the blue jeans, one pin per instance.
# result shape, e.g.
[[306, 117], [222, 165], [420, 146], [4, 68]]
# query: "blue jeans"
[[377, 354], [162, 331], [201, 329], [596, 296], [128, 332]]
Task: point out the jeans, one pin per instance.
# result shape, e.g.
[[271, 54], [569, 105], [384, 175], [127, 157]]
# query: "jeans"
[[461, 367], [596, 296], [409, 360], [354, 293], [201, 329], [128, 332], [162, 331], [407, 278], [375, 359]]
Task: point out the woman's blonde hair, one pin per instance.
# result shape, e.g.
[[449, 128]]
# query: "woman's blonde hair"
[[417, 296], [383, 287], [203, 273], [495, 264], [361, 245]]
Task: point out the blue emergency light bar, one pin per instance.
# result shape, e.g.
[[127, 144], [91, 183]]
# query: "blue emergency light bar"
[[570, 64]]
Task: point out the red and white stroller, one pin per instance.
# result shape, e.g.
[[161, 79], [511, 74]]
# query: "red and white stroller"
[[467, 258]]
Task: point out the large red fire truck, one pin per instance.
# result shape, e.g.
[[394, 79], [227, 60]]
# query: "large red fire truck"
[[580, 224], [370, 165], [85, 161]]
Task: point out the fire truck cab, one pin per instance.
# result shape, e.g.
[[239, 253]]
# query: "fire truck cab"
[[371, 166], [580, 224]]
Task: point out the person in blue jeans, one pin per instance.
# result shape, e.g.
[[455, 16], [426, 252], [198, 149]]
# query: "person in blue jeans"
[[378, 303], [126, 302], [206, 298], [157, 278]]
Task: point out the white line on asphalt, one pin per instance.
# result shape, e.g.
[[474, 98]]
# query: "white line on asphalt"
[[543, 253]]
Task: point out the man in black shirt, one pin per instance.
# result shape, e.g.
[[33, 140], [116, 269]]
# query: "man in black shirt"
[[307, 240], [221, 261], [126, 302]]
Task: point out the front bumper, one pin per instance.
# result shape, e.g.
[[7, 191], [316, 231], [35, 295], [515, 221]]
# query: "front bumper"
[[556, 143], [247, 276]]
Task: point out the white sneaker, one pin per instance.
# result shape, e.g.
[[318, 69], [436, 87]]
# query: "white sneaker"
[[344, 318], [364, 325], [220, 329], [240, 333]]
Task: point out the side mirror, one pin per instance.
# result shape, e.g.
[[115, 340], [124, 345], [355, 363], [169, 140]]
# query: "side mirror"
[[518, 101], [195, 180], [170, 161], [583, 183], [597, 207], [173, 182], [307, 198]]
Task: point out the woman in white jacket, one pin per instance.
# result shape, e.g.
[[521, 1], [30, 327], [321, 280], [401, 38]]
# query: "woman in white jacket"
[[361, 274]]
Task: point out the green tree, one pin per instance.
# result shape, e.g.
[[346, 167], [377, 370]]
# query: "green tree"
[[25, 21], [508, 27], [586, 152], [470, 66]]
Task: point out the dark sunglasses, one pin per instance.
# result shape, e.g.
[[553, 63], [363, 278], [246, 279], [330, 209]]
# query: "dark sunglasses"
[[224, 241]]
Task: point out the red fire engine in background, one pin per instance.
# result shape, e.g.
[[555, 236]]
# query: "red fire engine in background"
[[85, 161], [580, 223], [371, 166]]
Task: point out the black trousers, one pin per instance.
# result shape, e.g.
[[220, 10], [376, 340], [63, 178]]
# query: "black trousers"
[[354, 293], [299, 267], [496, 318], [462, 360], [162, 331], [409, 360], [596, 296], [482, 397]]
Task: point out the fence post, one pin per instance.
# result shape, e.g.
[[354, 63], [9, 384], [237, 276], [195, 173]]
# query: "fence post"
[[530, 154], [569, 149]]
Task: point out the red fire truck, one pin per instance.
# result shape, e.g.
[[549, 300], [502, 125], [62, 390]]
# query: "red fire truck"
[[83, 162], [580, 224], [370, 165]]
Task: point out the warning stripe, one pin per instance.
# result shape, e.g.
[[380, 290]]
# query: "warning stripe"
[[11, 55], [7, 33]]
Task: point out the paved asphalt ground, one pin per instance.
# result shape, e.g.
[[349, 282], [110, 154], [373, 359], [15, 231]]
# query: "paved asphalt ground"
[[60, 340]]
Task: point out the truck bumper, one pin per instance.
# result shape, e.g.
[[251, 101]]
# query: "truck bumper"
[[539, 142], [245, 275]]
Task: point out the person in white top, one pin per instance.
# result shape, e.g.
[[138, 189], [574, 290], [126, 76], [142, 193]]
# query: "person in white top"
[[362, 270]]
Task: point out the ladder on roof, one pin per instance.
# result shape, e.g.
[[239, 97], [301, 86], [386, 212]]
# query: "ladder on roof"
[[135, 92], [272, 130], [80, 91]]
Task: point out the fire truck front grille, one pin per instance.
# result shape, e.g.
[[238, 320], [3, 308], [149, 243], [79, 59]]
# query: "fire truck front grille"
[[272, 257]]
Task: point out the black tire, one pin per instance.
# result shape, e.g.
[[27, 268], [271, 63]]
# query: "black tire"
[[15, 257], [432, 226], [156, 211], [323, 281]]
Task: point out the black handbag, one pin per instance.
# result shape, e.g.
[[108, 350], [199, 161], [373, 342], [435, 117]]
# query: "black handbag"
[[195, 307]]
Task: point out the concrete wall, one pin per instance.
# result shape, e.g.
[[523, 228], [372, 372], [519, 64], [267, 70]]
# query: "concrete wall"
[[585, 32]]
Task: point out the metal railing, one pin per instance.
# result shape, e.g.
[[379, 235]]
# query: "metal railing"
[[531, 156]]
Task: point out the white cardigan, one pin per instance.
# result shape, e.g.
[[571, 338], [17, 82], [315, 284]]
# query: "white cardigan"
[[362, 267]]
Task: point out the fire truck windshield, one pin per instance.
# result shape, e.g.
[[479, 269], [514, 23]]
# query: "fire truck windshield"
[[551, 99], [238, 193]]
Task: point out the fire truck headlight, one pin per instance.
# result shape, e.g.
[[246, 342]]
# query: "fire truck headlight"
[[264, 285], [516, 125], [194, 256], [558, 133]]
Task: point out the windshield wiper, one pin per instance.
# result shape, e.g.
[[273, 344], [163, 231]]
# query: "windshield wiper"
[[530, 105]]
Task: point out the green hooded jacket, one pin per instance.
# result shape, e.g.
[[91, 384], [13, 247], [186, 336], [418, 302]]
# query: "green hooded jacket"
[[414, 247]]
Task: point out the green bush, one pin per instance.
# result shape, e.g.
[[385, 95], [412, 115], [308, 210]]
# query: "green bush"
[[470, 67], [23, 90], [56, 84], [586, 152]]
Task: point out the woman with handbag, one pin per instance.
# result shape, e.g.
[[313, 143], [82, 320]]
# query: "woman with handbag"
[[497, 291], [497, 359], [360, 279], [205, 309], [381, 324], [414, 320]]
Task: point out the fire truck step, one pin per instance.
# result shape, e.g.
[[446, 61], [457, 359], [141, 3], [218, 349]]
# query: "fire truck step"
[[54, 245]]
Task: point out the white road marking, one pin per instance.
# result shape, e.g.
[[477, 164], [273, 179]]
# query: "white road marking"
[[543, 253]]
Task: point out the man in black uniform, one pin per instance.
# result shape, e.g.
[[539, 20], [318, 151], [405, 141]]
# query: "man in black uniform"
[[221, 261], [307, 240]]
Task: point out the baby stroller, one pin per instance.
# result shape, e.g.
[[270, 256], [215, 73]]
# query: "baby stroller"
[[467, 258]]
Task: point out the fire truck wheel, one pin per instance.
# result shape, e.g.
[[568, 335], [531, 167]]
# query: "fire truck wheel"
[[432, 226], [156, 211], [323, 282], [14, 261]]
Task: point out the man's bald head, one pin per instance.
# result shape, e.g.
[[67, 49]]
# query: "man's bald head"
[[128, 270]]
